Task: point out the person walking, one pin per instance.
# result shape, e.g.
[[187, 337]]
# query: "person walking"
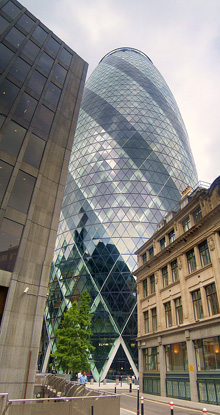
[[83, 379]]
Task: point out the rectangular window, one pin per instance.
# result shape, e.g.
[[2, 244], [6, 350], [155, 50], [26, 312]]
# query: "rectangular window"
[[204, 253], [171, 236], [175, 271], [179, 311], [152, 284], [165, 276], [212, 299], [197, 304], [191, 261], [151, 359], [197, 215], [162, 244], [186, 224], [176, 357], [154, 319], [208, 353], [146, 322], [144, 258], [151, 252], [145, 291], [168, 315]]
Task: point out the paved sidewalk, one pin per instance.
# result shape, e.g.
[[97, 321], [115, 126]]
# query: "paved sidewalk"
[[198, 406]]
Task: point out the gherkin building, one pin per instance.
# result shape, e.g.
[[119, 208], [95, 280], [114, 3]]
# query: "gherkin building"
[[130, 161]]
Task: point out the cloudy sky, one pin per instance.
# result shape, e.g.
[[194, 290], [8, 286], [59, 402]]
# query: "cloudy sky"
[[181, 37]]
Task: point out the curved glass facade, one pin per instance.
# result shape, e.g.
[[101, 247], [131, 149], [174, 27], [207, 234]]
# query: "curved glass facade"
[[130, 161]]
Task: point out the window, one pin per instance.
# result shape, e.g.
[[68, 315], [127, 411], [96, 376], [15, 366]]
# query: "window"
[[3, 24], [39, 34], [168, 315], [34, 151], [65, 57], [12, 138], [176, 357], [59, 74], [31, 50], [8, 93], [146, 321], [208, 353], [151, 252], [145, 291], [191, 260], [154, 319], [26, 22], [10, 235], [53, 94], [175, 271], [5, 56], [197, 215], [22, 192], [171, 236], [212, 299], [152, 284], [197, 304], [53, 45], [37, 82], [144, 258], [162, 243], [186, 224], [204, 253], [6, 171], [165, 276], [44, 120], [20, 69], [45, 62], [151, 359], [10, 9], [179, 311], [26, 107], [15, 37]]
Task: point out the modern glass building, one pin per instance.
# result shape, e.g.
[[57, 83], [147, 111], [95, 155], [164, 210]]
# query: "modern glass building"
[[130, 161], [41, 85]]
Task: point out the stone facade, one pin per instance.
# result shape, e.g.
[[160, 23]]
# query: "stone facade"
[[178, 290], [41, 85]]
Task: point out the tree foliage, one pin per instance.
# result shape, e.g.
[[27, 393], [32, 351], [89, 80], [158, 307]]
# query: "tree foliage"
[[73, 345]]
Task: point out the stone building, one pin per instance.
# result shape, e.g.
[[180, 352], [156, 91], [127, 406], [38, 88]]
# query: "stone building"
[[178, 288], [41, 85]]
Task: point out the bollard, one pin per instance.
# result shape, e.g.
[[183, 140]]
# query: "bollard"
[[171, 408], [138, 400], [115, 388], [142, 405], [204, 411], [130, 387], [92, 410]]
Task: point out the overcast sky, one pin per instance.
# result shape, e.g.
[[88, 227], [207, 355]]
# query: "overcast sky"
[[181, 37]]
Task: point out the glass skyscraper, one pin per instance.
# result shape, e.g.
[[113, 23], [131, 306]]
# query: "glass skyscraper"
[[130, 161]]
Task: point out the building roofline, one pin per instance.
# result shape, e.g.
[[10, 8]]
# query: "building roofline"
[[123, 49]]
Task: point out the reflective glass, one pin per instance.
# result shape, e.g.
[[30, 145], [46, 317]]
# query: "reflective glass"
[[37, 82], [5, 174], [10, 235], [26, 22], [34, 151], [65, 57], [8, 93], [12, 138], [44, 119], [26, 107], [15, 37], [5, 56], [53, 45], [39, 34], [31, 50], [11, 9], [59, 74], [3, 24], [45, 62], [129, 163], [20, 69], [53, 94], [22, 191]]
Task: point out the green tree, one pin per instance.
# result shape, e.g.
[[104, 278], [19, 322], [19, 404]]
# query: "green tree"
[[73, 345]]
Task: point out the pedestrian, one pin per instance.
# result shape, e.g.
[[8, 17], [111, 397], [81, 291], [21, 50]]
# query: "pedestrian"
[[83, 379], [78, 377]]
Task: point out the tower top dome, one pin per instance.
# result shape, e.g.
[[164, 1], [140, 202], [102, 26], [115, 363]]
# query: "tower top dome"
[[125, 49]]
